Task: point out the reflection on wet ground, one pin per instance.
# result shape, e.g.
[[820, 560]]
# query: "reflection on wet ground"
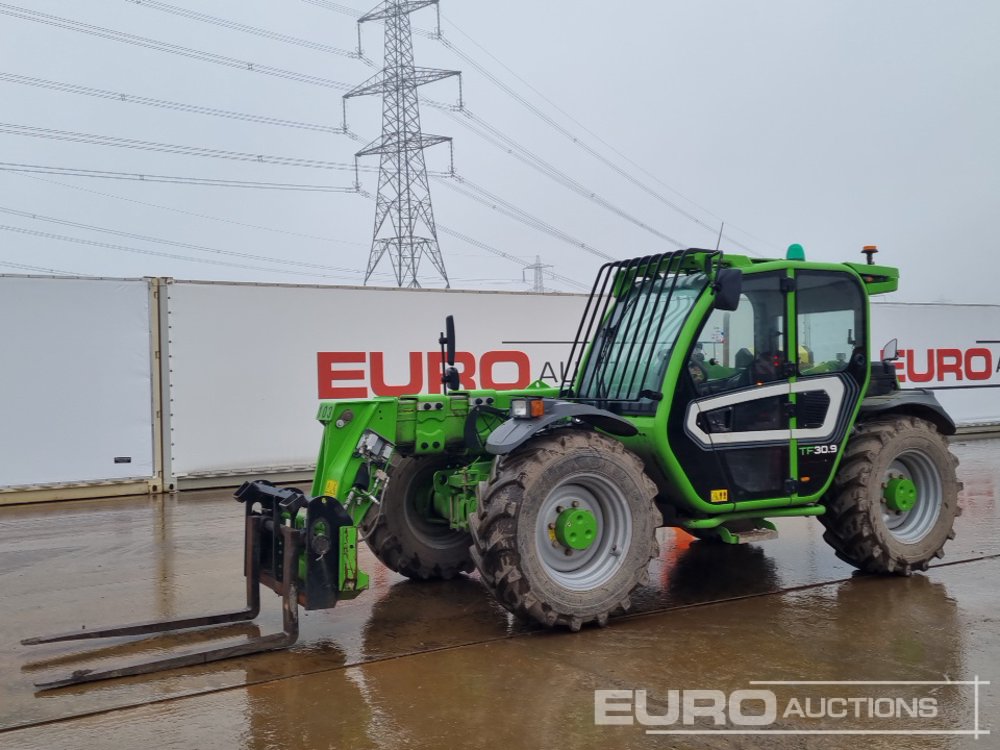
[[422, 665]]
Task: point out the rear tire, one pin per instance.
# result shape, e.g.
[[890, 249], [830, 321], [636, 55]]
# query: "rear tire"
[[861, 524], [400, 534], [515, 547]]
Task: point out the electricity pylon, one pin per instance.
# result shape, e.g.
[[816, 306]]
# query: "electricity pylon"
[[404, 218], [538, 285]]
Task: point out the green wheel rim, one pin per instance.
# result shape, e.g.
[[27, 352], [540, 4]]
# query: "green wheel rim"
[[912, 496]]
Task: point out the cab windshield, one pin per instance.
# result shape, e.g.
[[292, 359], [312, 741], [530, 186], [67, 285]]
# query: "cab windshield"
[[631, 350]]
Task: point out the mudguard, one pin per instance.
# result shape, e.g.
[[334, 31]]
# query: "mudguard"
[[917, 402], [514, 432]]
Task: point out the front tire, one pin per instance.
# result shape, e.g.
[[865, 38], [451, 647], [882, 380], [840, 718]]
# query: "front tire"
[[538, 569], [402, 531], [894, 501]]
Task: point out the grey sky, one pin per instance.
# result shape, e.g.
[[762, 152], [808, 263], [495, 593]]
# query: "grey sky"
[[832, 124]]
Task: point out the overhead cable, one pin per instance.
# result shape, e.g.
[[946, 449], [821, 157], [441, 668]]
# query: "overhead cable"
[[579, 142], [169, 148], [172, 243], [195, 214], [142, 251], [495, 202], [504, 142], [246, 29], [173, 180], [26, 14], [37, 269], [118, 96], [500, 253]]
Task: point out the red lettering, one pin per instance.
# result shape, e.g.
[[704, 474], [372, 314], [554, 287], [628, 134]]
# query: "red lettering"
[[920, 377], [328, 374], [336, 380], [465, 363], [962, 364], [952, 367], [518, 359], [380, 388], [978, 374]]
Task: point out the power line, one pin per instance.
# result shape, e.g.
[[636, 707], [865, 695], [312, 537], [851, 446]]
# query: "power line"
[[465, 238], [505, 143], [353, 13], [495, 251], [195, 214], [578, 141], [498, 204], [169, 148], [507, 256], [347, 11], [476, 193], [448, 44], [173, 180], [484, 197], [69, 88], [141, 251], [25, 14], [172, 243], [266, 33], [37, 269], [526, 156]]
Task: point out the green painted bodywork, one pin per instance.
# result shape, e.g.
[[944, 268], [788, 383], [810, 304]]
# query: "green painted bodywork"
[[711, 523], [900, 494], [436, 425], [576, 528], [455, 491]]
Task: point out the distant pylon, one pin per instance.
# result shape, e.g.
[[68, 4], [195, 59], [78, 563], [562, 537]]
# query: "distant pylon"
[[538, 283], [404, 218]]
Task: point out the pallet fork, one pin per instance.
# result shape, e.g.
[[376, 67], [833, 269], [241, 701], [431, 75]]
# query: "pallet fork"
[[281, 525]]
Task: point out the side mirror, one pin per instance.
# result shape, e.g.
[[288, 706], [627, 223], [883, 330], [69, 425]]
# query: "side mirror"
[[449, 335], [449, 375], [728, 286], [890, 352]]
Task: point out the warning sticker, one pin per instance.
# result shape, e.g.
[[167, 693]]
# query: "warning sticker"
[[330, 488], [720, 496]]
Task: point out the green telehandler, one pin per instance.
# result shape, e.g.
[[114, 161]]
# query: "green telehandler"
[[705, 391]]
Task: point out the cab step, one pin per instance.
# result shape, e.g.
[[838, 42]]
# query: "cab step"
[[754, 535]]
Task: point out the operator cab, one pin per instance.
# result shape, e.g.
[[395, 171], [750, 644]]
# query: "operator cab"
[[772, 385], [757, 378]]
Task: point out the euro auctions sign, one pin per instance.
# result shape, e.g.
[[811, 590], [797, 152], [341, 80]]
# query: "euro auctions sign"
[[364, 374], [952, 350], [928, 708], [948, 365], [249, 362]]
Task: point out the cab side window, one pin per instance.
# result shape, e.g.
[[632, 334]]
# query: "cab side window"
[[746, 346], [831, 326]]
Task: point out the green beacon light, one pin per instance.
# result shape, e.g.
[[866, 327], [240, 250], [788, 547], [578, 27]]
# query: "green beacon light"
[[795, 252]]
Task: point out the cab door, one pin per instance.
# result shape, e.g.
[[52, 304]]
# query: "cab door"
[[832, 370], [736, 422]]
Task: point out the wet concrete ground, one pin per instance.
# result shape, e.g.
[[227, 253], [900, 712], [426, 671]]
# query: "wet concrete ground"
[[441, 665]]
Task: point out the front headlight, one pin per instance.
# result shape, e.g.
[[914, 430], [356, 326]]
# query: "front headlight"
[[527, 408]]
